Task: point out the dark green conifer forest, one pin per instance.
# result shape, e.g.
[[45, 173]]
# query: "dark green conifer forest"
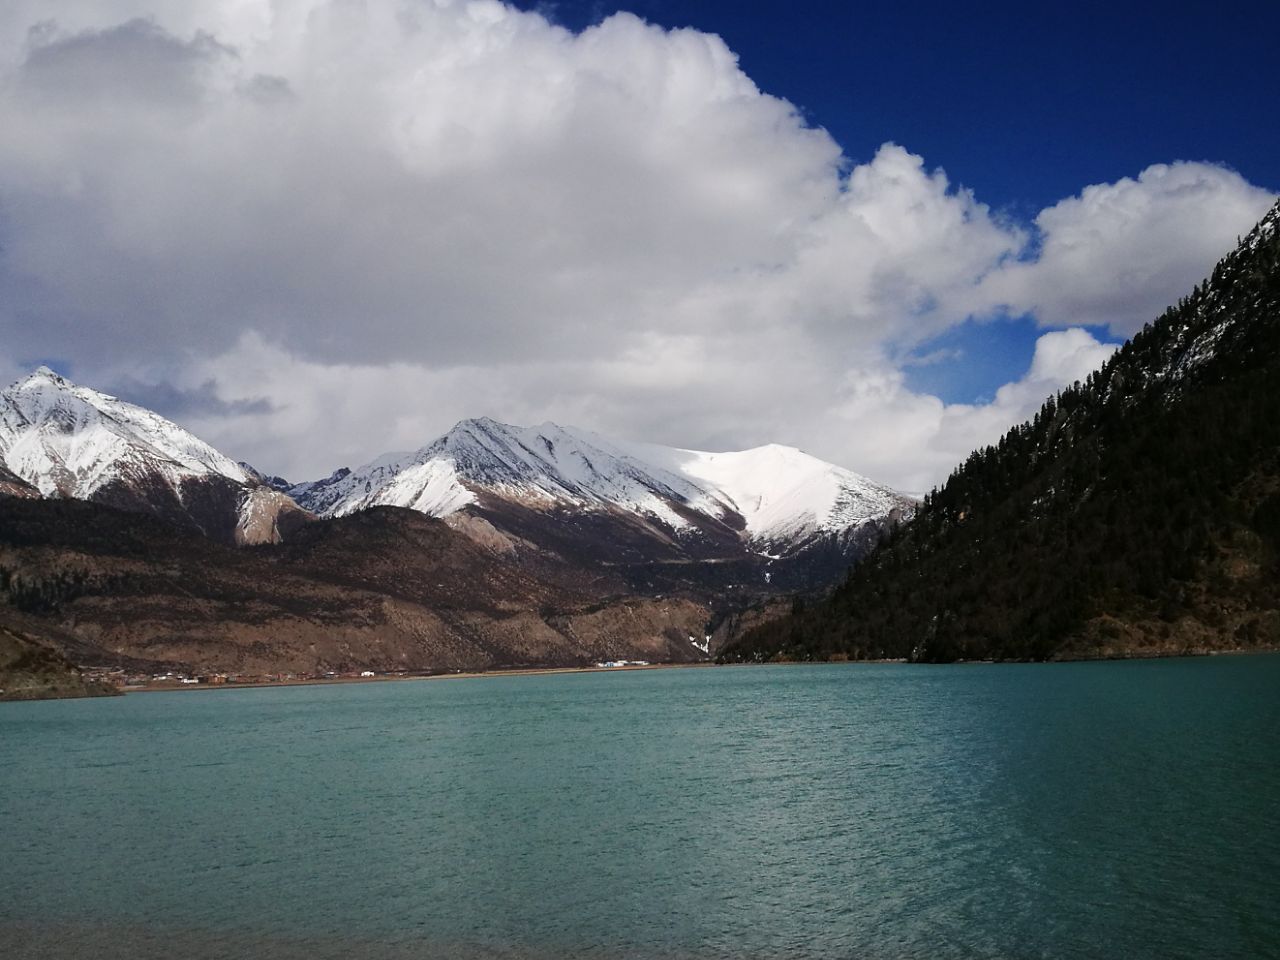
[[1138, 513]]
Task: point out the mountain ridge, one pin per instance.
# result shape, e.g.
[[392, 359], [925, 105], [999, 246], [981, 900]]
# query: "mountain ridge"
[[552, 466], [1136, 513], [385, 589], [126, 543], [64, 440]]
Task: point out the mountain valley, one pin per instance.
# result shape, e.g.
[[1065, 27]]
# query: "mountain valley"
[[1134, 515]]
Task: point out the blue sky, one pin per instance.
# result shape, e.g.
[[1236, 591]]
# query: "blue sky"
[[1022, 103], [880, 233]]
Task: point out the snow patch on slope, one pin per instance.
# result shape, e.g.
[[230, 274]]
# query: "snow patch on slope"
[[783, 492], [431, 488], [545, 466]]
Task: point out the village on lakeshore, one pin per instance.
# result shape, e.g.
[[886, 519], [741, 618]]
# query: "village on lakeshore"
[[134, 682]]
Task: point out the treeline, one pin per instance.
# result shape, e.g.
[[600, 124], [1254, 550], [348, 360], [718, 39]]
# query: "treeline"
[[1137, 511]]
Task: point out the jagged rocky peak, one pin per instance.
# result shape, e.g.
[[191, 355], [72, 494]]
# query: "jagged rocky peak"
[[771, 494], [267, 480], [561, 462], [41, 377], [69, 440]]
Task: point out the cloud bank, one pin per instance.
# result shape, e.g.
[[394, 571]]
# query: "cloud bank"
[[345, 226]]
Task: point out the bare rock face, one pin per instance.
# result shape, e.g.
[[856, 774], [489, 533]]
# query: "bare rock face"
[[637, 629], [267, 516], [482, 532], [740, 622]]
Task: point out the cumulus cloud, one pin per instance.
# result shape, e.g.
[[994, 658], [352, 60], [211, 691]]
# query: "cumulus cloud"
[[1119, 253], [914, 439], [323, 230], [135, 65], [452, 183], [304, 417]]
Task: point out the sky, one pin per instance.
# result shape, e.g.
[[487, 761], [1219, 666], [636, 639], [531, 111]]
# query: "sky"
[[313, 231]]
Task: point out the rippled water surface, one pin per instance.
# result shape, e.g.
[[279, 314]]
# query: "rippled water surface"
[[845, 811]]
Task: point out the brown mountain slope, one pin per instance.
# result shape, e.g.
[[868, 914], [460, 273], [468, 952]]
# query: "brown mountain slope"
[[13, 485], [32, 671], [384, 589]]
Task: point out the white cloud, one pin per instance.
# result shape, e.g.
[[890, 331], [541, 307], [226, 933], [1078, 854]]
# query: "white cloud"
[[302, 418], [913, 439], [361, 222], [1064, 357], [454, 183], [1119, 253]]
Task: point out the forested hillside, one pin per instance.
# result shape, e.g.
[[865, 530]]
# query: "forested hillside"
[[1137, 513]]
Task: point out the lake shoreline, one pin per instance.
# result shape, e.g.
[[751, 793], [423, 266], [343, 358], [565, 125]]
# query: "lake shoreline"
[[393, 678], [169, 687], [819, 813]]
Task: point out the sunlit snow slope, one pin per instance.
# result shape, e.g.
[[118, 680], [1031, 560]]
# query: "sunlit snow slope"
[[773, 494], [68, 441]]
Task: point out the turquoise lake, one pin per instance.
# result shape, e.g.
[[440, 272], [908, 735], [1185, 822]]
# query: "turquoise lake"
[[879, 811]]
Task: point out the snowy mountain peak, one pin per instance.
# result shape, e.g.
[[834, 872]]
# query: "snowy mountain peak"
[[69, 440], [776, 494], [43, 373], [782, 493], [550, 464], [66, 440]]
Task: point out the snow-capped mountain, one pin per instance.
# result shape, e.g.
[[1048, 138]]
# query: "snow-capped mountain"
[[783, 495], [773, 497], [558, 545], [69, 441], [630, 503]]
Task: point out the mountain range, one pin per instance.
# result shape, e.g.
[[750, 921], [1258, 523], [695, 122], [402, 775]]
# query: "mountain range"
[[126, 539], [62, 440], [773, 498], [1136, 513]]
